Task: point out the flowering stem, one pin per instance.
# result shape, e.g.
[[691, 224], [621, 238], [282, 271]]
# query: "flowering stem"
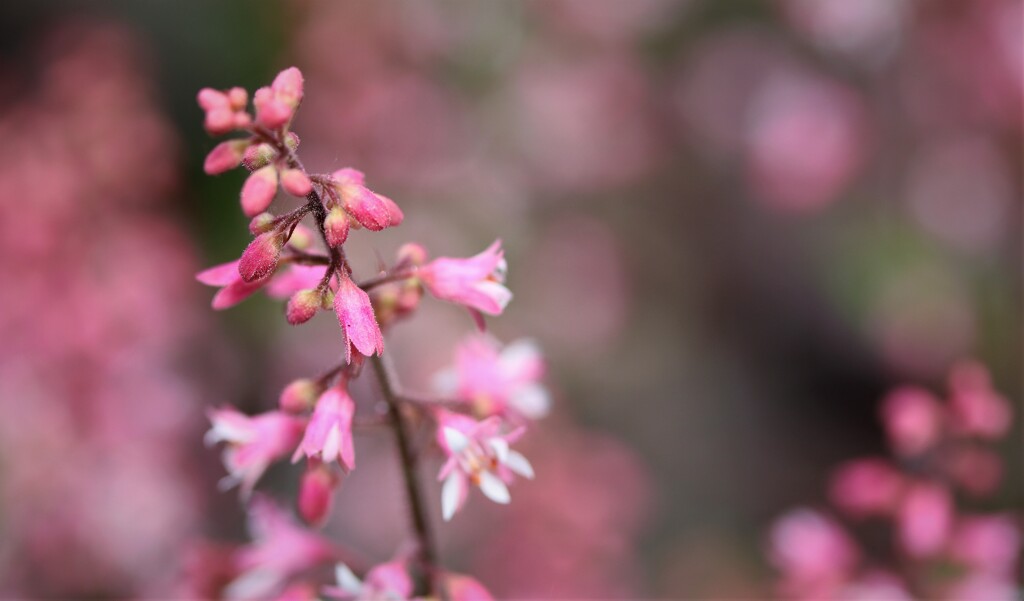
[[417, 507]]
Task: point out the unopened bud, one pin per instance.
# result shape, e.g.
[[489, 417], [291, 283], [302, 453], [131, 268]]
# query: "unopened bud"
[[395, 214], [302, 306], [287, 86], [259, 190], [299, 396], [296, 183], [291, 141], [412, 254], [316, 493], [238, 98], [336, 227], [225, 156], [262, 223], [258, 156], [260, 258], [365, 207]]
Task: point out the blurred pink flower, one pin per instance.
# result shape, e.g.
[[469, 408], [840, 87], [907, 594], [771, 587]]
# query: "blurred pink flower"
[[977, 409], [913, 420], [497, 381], [924, 519], [987, 544], [386, 582], [813, 552], [863, 487], [328, 436], [253, 442]]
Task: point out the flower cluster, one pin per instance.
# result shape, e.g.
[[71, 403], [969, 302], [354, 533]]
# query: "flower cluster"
[[942, 458], [487, 400]]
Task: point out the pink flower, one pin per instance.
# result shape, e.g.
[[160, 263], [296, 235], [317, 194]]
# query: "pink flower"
[[294, 278], [498, 381], [811, 549], [924, 519], [225, 156], [385, 582], [280, 550], [989, 544], [913, 420], [259, 190], [253, 442], [316, 492], [225, 111], [464, 588], [477, 454], [260, 258], [976, 407], [328, 436], [865, 487], [276, 104], [372, 211], [476, 282], [233, 289], [358, 324]]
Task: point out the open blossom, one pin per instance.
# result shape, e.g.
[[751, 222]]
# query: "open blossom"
[[385, 582], [253, 442], [478, 454], [497, 381], [476, 282], [280, 549], [233, 289], [328, 436], [358, 324]]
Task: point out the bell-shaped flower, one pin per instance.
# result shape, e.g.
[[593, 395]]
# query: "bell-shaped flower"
[[281, 549], [328, 435], [477, 454], [253, 442], [476, 282], [359, 326], [386, 582], [497, 381]]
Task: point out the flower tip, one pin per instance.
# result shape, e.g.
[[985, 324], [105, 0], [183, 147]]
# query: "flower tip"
[[302, 306]]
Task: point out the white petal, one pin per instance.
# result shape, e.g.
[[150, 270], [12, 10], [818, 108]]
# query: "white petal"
[[532, 400], [347, 580], [493, 488], [332, 445], [456, 441], [452, 493], [500, 446], [519, 464], [519, 355]]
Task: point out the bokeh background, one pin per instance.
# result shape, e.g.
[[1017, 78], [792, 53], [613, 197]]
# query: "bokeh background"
[[731, 225]]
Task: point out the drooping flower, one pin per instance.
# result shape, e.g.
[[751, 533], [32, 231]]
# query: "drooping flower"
[[479, 454], [497, 381], [328, 435], [369, 209], [359, 327], [476, 282], [253, 442], [280, 550], [386, 582]]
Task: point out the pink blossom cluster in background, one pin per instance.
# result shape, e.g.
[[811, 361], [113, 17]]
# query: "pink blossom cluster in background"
[[930, 494], [95, 393]]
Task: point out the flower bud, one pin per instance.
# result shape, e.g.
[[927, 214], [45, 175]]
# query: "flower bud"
[[302, 238], [262, 223], [261, 256], [302, 306], [316, 493], [336, 227], [395, 214], [270, 111], [225, 156], [238, 98], [412, 254], [292, 141], [287, 86], [299, 396], [259, 190], [209, 99], [296, 183], [365, 207], [258, 156]]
